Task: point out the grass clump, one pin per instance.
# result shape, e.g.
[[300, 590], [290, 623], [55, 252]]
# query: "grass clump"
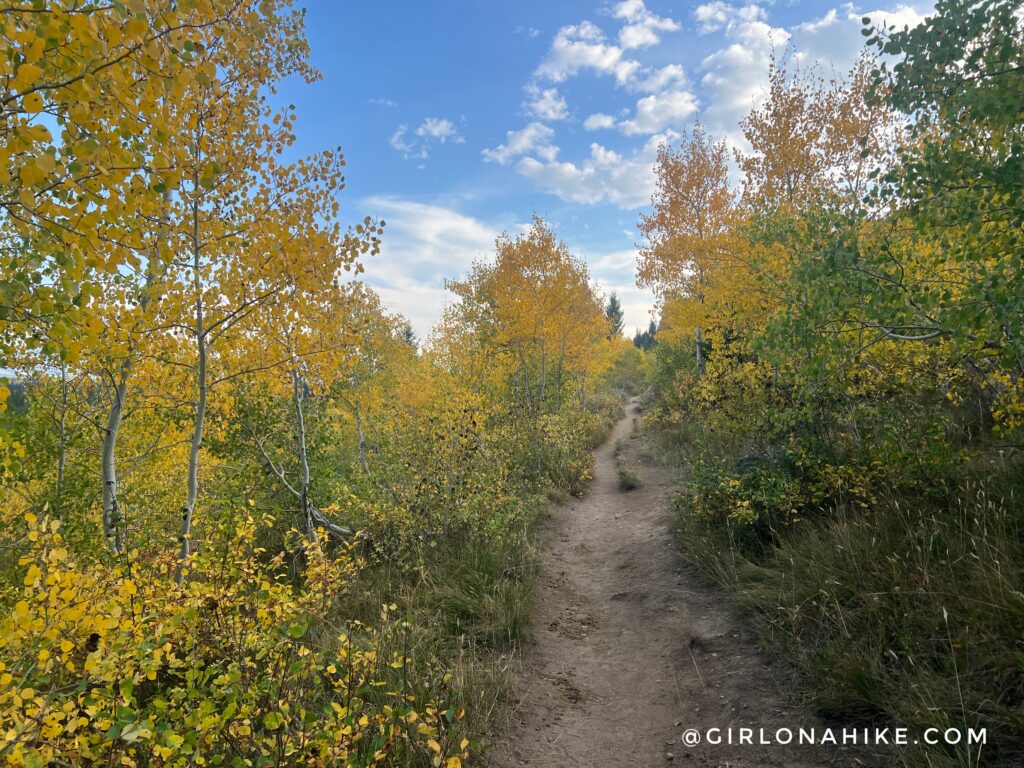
[[628, 479]]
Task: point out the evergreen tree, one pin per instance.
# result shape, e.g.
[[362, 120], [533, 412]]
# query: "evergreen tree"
[[613, 311]]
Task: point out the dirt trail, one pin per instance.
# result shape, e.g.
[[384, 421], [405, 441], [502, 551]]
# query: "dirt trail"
[[628, 650]]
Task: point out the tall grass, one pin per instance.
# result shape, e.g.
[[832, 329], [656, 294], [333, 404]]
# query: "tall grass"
[[468, 602], [911, 613]]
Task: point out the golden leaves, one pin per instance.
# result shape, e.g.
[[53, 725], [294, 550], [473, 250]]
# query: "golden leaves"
[[27, 76], [89, 622]]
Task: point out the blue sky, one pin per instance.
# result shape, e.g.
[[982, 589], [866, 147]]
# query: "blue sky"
[[460, 118]]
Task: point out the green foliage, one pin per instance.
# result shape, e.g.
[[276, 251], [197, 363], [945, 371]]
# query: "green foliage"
[[907, 612], [613, 311], [853, 476], [628, 479], [628, 376]]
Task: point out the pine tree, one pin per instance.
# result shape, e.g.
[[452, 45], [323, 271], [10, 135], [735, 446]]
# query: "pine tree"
[[613, 311]]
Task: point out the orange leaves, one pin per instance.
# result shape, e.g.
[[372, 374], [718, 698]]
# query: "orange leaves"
[[688, 232], [812, 139]]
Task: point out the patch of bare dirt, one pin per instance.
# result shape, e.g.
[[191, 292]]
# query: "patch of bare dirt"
[[629, 650]]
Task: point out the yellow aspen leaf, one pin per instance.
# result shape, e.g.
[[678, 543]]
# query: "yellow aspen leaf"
[[80, 24], [26, 76], [32, 103], [135, 28], [32, 575], [34, 51]]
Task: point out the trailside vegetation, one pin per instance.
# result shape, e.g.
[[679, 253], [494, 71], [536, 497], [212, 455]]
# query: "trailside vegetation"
[[839, 364], [247, 519]]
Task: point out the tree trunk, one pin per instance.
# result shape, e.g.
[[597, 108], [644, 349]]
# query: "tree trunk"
[[62, 440], [561, 370], [362, 440], [196, 442], [699, 337], [299, 394], [112, 519], [543, 377], [525, 377]]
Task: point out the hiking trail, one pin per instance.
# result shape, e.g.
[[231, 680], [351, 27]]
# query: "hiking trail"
[[628, 650]]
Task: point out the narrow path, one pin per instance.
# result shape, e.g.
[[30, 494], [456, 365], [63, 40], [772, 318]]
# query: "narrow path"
[[628, 650]]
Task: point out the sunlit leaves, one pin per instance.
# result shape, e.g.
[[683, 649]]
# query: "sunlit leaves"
[[207, 672]]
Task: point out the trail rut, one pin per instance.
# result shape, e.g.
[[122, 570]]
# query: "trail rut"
[[629, 650]]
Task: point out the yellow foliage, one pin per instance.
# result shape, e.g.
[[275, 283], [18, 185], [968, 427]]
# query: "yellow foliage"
[[115, 664]]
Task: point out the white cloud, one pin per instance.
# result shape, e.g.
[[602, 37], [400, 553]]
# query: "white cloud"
[[834, 40], [383, 102], [409, 149], [657, 80], [433, 130], [717, 15], [736, 74], [598, 121], [637, 36], [439, 129], [660, 111], [603, 157], [612, 263], [605, 176], [546, 104], [533, 139], [582, 47], [899, 17], [642, 26], [422, 246]]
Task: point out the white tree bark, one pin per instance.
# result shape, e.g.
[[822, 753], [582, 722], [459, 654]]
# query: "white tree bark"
[[299, 394], [112, 518], [699, 338], [362, 440], [62, 440], [196, 441]]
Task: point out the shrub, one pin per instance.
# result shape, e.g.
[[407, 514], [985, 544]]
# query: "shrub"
[[117, 665]]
